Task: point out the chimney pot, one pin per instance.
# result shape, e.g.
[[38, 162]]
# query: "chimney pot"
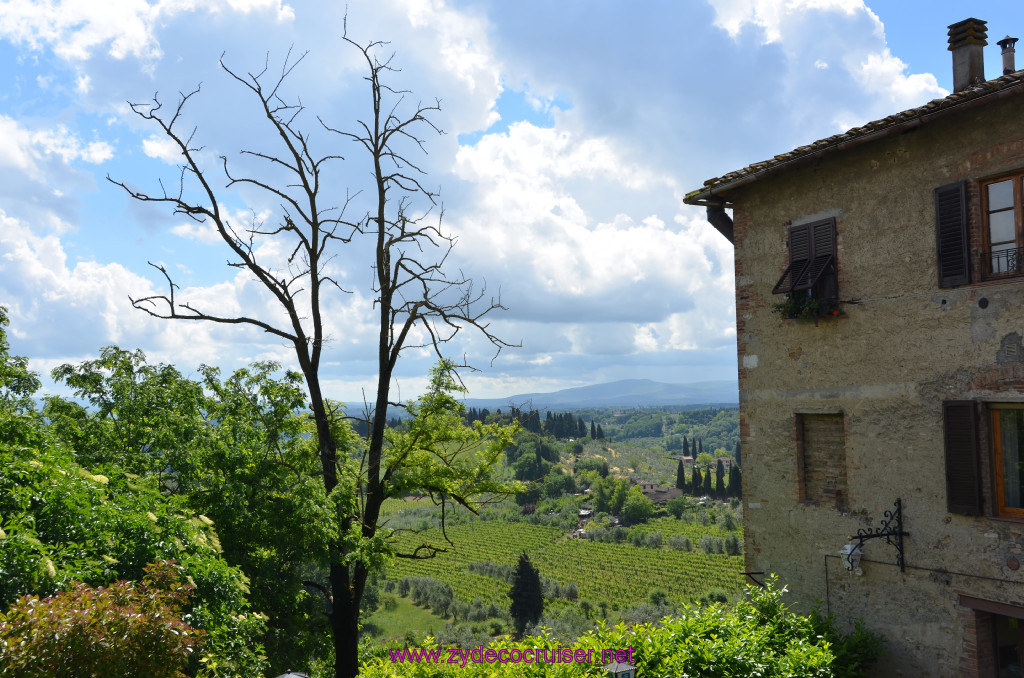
[[1007, 44], [967, 40]]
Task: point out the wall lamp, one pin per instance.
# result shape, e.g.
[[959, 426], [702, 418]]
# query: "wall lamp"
[[891, 529]]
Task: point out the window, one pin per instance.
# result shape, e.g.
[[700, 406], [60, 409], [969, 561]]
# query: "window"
[[1008, 447], [821, 440], [812, 262], [964, 461], [1001, 206]]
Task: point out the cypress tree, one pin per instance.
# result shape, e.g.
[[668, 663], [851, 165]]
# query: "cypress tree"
[[593, 430], [686, 447], [698, 483], [600, 432], [707, 483], [526, 595], [681, 476], [720, 479]]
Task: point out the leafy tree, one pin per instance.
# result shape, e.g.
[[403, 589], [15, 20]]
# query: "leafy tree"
[[593, 464], [619, 495], [143, 417], [637, 508], [526, 594], [411, 292], [677, 507], [705, 460]]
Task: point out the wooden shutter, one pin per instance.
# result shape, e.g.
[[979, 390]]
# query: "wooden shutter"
[[963, 475], [799, 259], [952, 241], [823, 252]]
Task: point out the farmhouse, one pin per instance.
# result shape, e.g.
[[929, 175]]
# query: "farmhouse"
[[880, 317]]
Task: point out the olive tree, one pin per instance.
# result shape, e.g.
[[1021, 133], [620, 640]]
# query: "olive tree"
[[418, 302]]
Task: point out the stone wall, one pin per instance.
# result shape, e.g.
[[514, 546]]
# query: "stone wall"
[[883, 369]]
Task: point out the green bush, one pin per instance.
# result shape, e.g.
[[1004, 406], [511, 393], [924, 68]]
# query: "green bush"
[[756, 637], [125, 630]]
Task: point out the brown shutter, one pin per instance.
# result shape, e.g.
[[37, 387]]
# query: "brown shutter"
[[823, 251], [799, 259], [963, 476], [951, 237]]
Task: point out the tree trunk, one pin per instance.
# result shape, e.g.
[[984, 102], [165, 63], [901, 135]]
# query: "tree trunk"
[[344, 625]]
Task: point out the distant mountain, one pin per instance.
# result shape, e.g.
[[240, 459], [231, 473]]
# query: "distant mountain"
[[625, 393]]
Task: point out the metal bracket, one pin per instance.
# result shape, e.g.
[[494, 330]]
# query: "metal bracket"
[[891, 529]]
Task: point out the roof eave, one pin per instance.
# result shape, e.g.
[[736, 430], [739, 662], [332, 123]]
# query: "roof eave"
[[718, 194]]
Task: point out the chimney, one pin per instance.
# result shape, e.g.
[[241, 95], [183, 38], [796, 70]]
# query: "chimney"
[[1007, 44], [966, 42]]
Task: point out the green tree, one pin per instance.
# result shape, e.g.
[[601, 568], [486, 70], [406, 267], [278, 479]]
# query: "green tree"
[[619, 495], [637, 508], [697, 482], [411, 291], [720, 479], [526, 594], [680, 475], [143, 417], [735, 481], [677, 507]]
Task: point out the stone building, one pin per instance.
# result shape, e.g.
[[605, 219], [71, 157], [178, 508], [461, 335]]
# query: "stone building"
[[880, 315]]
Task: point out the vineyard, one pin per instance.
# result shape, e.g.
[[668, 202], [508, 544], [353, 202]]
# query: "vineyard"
[[617, 574]]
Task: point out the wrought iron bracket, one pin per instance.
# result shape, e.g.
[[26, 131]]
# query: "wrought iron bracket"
[[891, 529], [750, 576]]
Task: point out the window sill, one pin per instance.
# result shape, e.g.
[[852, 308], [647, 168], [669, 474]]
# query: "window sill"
[[1019, 520]]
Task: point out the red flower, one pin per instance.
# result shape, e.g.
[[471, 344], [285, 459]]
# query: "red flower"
[[835, 312]]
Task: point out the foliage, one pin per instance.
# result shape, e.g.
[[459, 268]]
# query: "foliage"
[[142, 416], [803, 306], [637, 508], [526, 594], [62, 526], [125, 630], [756, 637]]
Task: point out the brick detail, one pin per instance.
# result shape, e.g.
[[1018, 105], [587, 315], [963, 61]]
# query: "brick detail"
[[821, 445], [977, 658]]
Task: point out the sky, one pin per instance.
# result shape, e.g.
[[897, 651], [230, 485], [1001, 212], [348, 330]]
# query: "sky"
[[572, 131]]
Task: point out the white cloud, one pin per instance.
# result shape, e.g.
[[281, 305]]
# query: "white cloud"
[[885, 75], [770, 15], [162, 148], [23, 149], [75, 29], [537, 188]]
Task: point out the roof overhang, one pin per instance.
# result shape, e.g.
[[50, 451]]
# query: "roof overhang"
[[717, 192]]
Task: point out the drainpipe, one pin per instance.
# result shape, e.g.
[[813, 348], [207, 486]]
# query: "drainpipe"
[[720, 220]]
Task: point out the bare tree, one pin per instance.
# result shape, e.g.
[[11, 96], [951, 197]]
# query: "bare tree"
[[413, 292]]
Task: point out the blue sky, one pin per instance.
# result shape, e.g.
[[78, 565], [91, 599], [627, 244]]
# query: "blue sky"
[[573, 129]]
